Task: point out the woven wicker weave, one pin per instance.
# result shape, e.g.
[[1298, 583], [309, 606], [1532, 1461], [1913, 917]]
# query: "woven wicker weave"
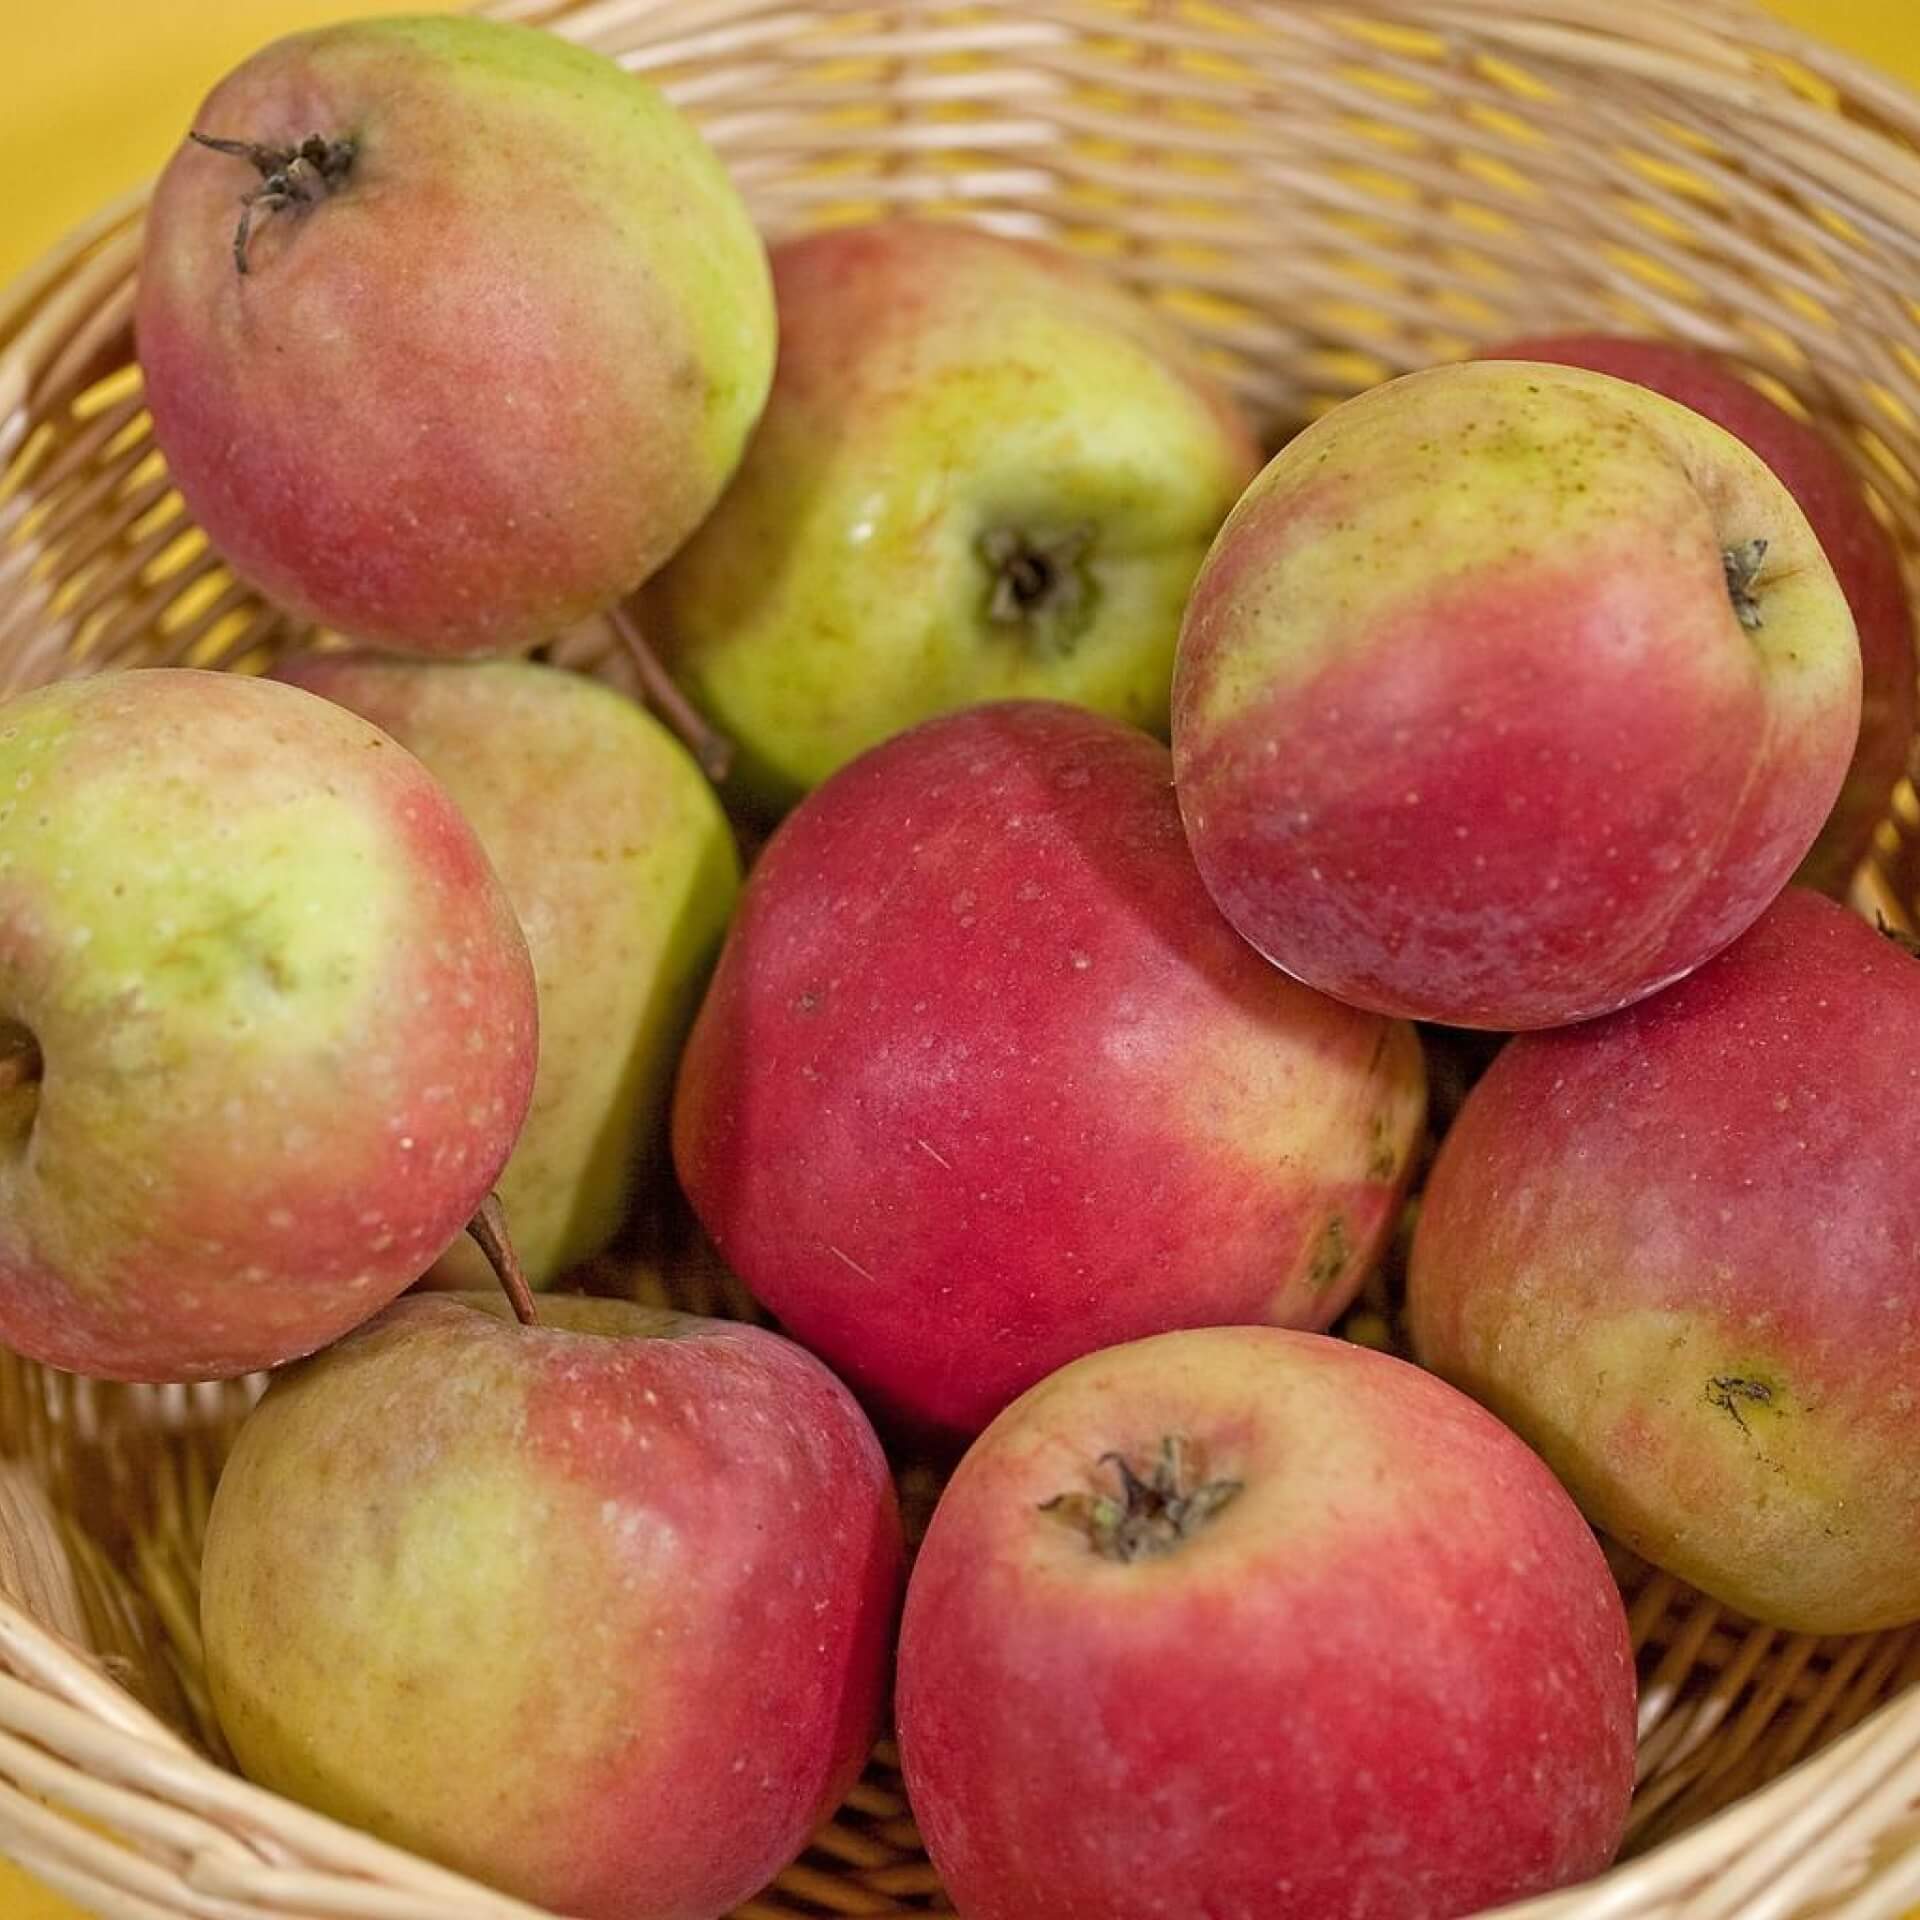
[[1325, 196]]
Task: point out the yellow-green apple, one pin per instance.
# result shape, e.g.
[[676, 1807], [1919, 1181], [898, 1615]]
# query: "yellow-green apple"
[[1508, 694], [598, 1612], [1859, 548], [489, 349], [1678, 1250], [270, 1023], [1244, 1622], [985, 471], [621, 867], [983, 1082]]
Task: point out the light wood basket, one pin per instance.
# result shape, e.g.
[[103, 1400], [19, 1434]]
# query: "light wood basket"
[[1324, 195]]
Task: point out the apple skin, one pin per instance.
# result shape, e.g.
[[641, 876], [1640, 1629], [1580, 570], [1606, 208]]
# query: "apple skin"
[[599, 1613], [1861, 553], [937, 383], [486, 386], [983, 1082], [1466, 727], [1675, 1251], [1390, 1679], [286, 1015], [622, 870]]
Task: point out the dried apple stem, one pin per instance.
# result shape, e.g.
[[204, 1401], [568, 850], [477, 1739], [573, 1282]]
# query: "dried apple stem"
[[290, 177], [1153, 1513], [709, 746], [488, 1230], [1040, 586], [1742, 566], [1907, 942]]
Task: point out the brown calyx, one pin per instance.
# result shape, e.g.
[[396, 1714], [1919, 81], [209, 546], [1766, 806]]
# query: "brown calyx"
[[1039, 584], [293, 178], [22, 1068], [1153, 1515], [21, 1064], [1742, 566]]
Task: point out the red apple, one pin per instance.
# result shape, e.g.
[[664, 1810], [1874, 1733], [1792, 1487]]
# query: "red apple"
[[597, 1611], [983, 1082], [267, 1023], [1678, 1250], [1245, 1623], [493, 344], [1508, 694], [1863, 557]]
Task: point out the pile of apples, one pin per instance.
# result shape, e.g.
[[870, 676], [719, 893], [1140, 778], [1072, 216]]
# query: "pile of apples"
[[1055, 1092]]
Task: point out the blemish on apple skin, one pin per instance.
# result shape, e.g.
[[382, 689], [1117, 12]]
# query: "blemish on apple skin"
[[1731, 1392], [1331, 1253]]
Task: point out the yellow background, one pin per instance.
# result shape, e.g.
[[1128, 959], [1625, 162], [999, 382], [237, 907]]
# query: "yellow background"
[[94, 92]]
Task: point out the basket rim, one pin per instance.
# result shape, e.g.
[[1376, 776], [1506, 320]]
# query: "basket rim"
[[1781, 1838]]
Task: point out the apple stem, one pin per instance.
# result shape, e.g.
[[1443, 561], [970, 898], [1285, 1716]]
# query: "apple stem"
[[1908, 943], [1153, 1514], [289, 177], [488, 1229], [709, 746], [1742, 565]]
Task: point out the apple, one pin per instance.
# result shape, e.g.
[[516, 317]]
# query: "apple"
[[490, 346], [1508, 694], [1245, 1622], [983, 1082], [267, 1023], [986, 471], [621, 867], [1675, 1250], [1861, 552], [598, 1612]]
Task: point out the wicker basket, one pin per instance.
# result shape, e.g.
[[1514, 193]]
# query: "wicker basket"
[[1325, 195]]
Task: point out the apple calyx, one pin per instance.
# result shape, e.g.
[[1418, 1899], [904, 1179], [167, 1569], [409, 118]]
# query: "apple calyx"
[[1153, 1516], [297, 177], [488, 1231], [1041, 585], [1742, 565], [21, 1071], [20, 1062]]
